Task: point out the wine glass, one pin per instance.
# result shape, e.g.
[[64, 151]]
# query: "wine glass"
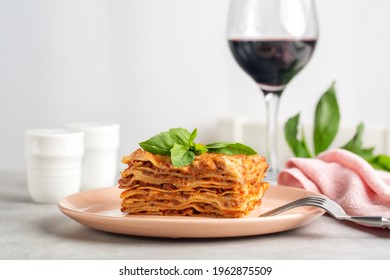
[[272, 40]]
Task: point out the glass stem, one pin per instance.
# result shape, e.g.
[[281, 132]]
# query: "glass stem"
[[272, 106]]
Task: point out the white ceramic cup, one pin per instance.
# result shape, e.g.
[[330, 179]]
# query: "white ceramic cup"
[[54, 158], [100, 161]]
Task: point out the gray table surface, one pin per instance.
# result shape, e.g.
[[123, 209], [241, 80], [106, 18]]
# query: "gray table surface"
[[40, 231]]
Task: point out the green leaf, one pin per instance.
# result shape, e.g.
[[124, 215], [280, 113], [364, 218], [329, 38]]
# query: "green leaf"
[[355, 145], [298, 147], [181, 136], [381, 162], [160, 144], [326, 121], [200, 149], [356, 141], [192, 137], [163, 142], [230, 148], [181, 156]]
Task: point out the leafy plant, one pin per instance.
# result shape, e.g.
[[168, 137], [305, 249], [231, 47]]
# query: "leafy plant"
[[326, 125], [298, 146], [180, 144], [326, 120]]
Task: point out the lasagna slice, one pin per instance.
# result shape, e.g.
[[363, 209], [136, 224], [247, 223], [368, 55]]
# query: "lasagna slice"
[[213, 185]]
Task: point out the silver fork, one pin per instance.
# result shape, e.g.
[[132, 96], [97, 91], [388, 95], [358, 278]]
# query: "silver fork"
[[333, 209]]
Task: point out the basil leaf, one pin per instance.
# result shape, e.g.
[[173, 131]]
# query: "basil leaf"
[[326, 121], [217, 145], [191, 140], [355, 145], [180, 136], [200, 149], [230, 148], [298, 147], [181, 156], [163, 142], [160, 144]]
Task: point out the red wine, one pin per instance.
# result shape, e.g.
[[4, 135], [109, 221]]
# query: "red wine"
[[272, 63]]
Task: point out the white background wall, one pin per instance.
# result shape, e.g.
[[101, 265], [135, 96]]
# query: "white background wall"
[[155, 64]]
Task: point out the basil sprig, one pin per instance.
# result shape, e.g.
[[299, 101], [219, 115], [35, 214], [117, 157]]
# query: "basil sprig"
[[180, 144], [326, 125]]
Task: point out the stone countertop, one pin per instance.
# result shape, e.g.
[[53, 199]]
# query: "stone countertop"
[[40, 231]]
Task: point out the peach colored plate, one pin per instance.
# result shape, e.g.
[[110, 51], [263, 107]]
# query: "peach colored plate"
[[100, 209]]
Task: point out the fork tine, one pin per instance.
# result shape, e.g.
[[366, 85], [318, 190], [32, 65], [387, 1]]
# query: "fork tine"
[[305, 201], [316, 199]]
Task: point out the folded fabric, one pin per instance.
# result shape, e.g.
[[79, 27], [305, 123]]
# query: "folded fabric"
[[344, 177]]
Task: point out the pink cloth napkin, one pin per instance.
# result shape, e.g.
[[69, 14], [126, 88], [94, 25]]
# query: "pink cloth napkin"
[[344, 177]]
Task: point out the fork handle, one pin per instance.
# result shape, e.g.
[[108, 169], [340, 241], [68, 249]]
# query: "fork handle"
[[371, 221]]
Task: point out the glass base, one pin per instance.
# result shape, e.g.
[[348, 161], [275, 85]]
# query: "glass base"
[[272, 176]]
